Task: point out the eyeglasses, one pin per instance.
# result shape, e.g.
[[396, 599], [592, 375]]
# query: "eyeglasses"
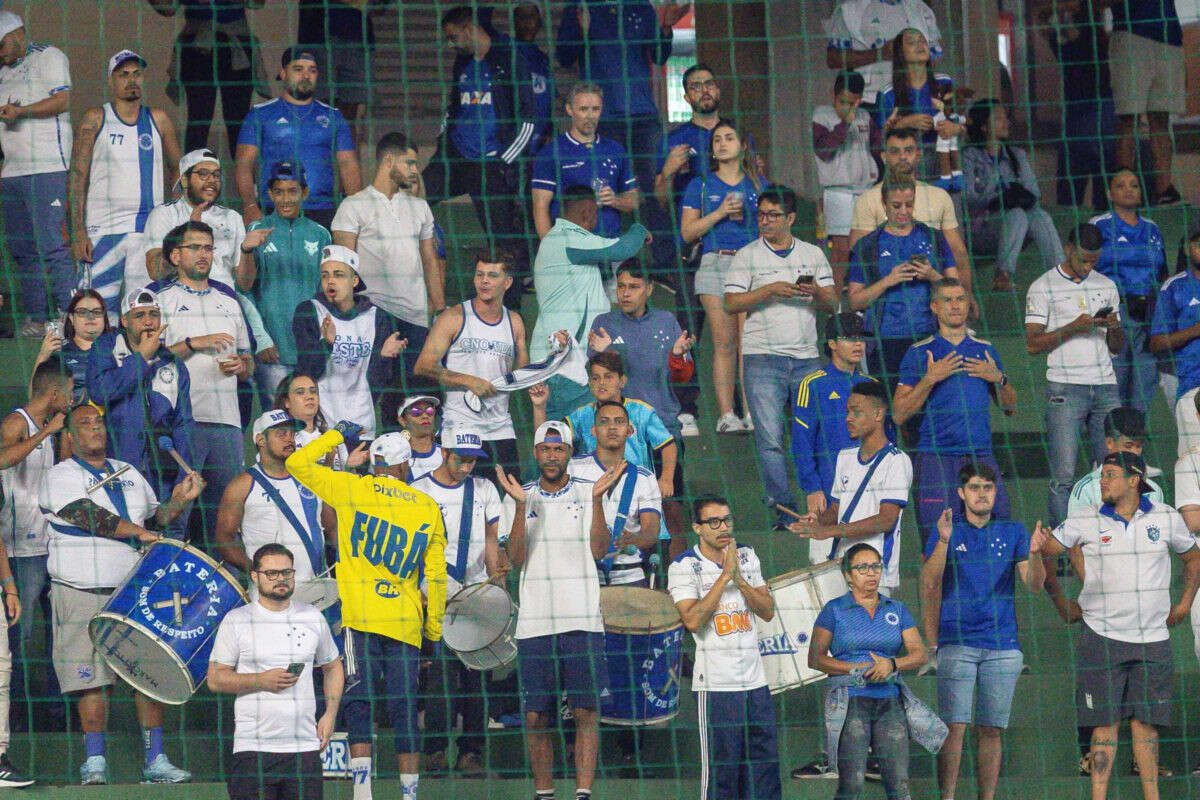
[[718, 522], [771, 215], [198, 248], [867, 569], [695, 86], [207, 174], [276, 574], [421, 411], [88, 313]]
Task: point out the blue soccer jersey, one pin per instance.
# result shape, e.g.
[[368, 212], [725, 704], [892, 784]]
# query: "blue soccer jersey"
[[566, 162]]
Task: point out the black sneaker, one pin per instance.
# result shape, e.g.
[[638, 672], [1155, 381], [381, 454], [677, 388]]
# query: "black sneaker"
[[10, 778], [818, 768], [1168, 197], [873, 772]]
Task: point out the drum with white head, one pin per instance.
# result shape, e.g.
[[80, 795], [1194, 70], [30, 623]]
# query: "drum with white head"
[[479, 626]]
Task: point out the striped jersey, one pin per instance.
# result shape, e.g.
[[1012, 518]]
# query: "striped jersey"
[[126, 179]]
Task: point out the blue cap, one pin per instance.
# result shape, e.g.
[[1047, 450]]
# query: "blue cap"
[[287, 171]]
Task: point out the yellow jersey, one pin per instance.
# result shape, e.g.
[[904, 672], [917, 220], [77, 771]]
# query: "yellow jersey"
[[390, 536]]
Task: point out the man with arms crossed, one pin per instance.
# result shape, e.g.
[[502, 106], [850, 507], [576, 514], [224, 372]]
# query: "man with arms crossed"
[[265, 654]]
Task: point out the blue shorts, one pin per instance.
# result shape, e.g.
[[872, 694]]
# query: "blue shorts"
[[569, 663], [370, 657], [973, 679]]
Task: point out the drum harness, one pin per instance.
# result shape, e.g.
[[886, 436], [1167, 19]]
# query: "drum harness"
[[313, 544], [466, 517], [605, 564], [862, 487]]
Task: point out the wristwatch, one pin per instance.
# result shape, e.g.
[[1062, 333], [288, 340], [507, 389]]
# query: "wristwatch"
[[1003, 380]]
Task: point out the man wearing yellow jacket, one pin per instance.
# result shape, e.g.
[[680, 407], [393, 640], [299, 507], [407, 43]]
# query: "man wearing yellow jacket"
[[390, 537]]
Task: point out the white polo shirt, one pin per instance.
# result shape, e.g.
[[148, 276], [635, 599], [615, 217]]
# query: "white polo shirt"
[[188, 313], [889, 482], [78, 557], [1187, 480], [390, 232], [1055, 300], [560, 589], [1127, 568], [780, 327], [34, 146], [255, 639], [727, 658], [646, 497], [228, 233]]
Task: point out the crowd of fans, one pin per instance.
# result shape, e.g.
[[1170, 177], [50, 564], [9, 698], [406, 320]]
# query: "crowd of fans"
[[171, 324]]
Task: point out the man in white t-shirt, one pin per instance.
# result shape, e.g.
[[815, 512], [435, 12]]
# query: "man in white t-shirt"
[[632, 508], [558, 533], [392, 232], [1187, 501], [871, 483], [94, 519], [1071, 314], [265, 653], [204, 325], [1125, 667], [719, 590], [471, 512], [35, 134], [778, 281]]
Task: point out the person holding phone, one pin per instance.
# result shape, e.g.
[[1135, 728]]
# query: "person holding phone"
[[264, 653], [1071, 316]]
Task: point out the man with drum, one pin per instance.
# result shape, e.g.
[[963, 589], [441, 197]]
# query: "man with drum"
[[99, 509], [719, 589], [265, 653], [471, 512], [267, 505], [558, 533], [388, 535]]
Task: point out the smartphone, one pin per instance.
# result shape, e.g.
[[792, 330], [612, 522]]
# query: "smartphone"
[[296, 669], [1104, 312], [804, 279]]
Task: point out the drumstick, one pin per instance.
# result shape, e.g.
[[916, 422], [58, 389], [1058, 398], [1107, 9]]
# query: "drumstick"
[[116, 474], [165, 443], [789, 512]]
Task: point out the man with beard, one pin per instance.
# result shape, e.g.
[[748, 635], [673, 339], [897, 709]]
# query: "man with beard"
[[268, 506], [296, 127], [264, 653], [118, 178], [392, 231]]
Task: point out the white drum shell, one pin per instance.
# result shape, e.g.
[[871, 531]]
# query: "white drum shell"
[[479, 626], [783, 642]]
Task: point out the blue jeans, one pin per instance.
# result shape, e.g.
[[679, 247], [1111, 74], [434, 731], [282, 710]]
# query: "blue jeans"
[[974, 679], [1005, 233], [35, 226], [33, 589], [771, 385], [1068, 407], [1135, 365], [217, 455], [881, 725]]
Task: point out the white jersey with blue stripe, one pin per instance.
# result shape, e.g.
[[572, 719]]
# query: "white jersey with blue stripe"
[[126, 179], [860, 489]]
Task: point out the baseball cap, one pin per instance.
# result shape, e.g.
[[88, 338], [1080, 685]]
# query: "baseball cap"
[[464, 440], [10, 22], [196, 157], [299, 53], [139, 298], [287, 171], [273, 419], [1132, 464], [340, 253], [553, 430], [418, 398], [118, 58], [390, 450], [846, 325], [1125, 421]]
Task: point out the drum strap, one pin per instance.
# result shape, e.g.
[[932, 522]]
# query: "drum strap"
[[113, 489], [858, 493], [606, 564], [313, 543], [465, 519]]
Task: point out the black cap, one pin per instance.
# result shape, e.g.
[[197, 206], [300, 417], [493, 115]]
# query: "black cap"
[[1132, 464], [297, 52], [846, 325], [1125, 421]]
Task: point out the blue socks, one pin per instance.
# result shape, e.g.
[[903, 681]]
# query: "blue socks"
[[153, 743], [93, 744]]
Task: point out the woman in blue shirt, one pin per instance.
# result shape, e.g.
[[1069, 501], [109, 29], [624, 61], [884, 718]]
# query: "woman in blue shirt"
[[83, 323], [912, 100], [858, 640], [720, 210]]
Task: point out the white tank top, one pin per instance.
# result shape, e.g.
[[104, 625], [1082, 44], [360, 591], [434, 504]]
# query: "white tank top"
[[485, 351], [126, 180], [263, 522], [345, 391], [21, 521]]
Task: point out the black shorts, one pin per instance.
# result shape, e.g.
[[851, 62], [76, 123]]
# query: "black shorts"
[[677, 484], [275, 776], [1121, 680]]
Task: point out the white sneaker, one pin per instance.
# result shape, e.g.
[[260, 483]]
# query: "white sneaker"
[[688, 426], [94, 771], [748, 422], [161, 770], [730, 423]]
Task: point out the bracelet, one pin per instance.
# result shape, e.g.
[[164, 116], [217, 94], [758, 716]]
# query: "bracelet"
[[894, 667], [187, 340]]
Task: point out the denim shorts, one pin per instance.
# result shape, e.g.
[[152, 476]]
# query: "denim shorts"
[[974, 679]]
